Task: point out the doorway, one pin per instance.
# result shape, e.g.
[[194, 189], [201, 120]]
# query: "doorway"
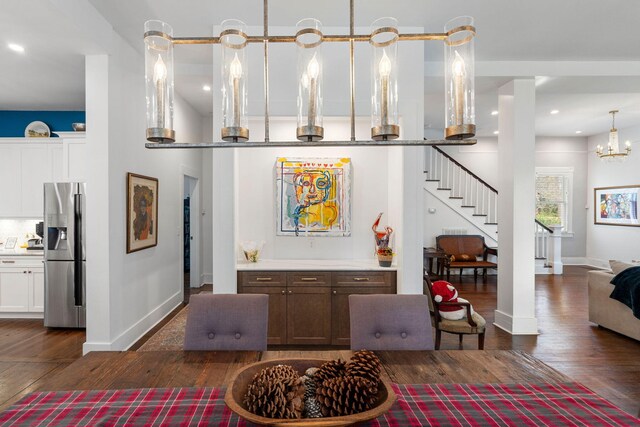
[[190, 235]]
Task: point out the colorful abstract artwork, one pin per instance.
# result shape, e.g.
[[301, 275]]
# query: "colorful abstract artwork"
[[313, 197], [617, 205]]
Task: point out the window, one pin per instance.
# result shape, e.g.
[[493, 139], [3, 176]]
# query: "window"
[[554, 192]]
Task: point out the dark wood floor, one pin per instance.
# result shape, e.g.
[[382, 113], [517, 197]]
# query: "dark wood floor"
[[606, 362]]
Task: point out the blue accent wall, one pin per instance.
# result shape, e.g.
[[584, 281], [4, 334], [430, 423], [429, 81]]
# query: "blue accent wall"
[[13, 123]]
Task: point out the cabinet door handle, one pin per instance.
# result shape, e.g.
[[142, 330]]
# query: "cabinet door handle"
[[24, 272], [282, 292], [290, 292], [8, 262], [309, 279], [264, 279], [361, 279], [335, 292]]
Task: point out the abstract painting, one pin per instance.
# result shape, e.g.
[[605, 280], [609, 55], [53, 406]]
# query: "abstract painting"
[[617, 205], [142, 212], [313, 197]]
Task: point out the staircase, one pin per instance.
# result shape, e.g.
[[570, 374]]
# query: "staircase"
[[475, 201]]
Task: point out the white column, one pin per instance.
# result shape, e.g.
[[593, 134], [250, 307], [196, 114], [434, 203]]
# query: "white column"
[[516, 206], [556, 249]]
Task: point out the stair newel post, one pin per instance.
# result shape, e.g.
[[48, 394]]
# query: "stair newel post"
[[556, 246]]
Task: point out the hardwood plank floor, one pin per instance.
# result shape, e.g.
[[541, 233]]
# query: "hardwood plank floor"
[[30, 353], [604, 361]]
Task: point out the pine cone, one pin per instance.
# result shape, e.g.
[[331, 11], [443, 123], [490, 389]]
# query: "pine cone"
[[276, 392], [365, 364], [346, 396], [312, 408], [309, 388], [330, 369]]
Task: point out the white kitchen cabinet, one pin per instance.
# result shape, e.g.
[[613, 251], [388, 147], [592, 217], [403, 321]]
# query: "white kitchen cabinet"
[[36, 290], [21, 287], [10, 189], [27, 163], [14, 290]]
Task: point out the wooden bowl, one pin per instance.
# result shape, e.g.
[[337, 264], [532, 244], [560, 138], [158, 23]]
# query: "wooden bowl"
[[240, 381]]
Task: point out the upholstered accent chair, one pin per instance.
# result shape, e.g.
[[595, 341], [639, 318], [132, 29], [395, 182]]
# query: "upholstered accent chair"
[[465, 251], [227, 322], [472, 324], [390, 322]]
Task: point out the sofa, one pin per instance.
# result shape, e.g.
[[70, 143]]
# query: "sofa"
[[606, 311]]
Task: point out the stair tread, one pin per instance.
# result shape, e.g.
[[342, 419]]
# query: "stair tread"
[[467, 206], [448, 189], [432, 180], [479, 215], [490, 223], [456, 197]]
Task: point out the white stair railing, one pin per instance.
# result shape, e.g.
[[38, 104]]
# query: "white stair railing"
[[483, 198], [463, 184]]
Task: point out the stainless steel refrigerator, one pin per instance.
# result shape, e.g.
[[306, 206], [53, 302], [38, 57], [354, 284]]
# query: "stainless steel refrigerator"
[[64, 255]]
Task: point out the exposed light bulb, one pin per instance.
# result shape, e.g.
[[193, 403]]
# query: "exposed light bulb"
[[627, 144], [159, 70], [206, 88], [578, 132], [313, 69], [235, 70], [304, 80], [495, 132], [554, 111], [494, 113], [384, 67], [458, 66]]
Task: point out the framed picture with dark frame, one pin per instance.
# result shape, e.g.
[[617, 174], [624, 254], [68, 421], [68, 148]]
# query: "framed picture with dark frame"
[[142, 212], [616, 205]]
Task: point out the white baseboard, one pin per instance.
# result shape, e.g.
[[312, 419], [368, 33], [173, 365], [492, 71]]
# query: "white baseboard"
[[576, 260], [138, 329], [21, 315], [516, 325]]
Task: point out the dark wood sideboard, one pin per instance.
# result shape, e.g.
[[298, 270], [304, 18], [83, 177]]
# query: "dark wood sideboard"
[[312, 307]]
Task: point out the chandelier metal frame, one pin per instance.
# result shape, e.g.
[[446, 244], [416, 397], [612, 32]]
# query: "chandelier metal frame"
[[465, 131]]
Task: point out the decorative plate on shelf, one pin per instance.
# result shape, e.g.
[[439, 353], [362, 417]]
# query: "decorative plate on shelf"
[[37, 130]]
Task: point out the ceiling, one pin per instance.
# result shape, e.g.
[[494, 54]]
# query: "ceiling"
[[50, 74]]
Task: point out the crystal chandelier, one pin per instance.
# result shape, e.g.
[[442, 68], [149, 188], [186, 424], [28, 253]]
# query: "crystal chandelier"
[[458, 38], [613, 148]]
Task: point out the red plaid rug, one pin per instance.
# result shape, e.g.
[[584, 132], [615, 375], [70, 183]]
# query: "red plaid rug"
[[567, 404]]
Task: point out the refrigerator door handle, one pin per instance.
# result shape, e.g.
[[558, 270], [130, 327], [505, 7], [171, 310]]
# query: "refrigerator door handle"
[[78, 251]]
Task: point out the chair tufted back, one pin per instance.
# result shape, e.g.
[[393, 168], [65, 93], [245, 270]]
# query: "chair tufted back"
[[390, 322], [227, 322]]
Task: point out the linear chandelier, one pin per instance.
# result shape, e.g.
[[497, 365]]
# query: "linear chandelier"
[[383, 38], [613, 147]]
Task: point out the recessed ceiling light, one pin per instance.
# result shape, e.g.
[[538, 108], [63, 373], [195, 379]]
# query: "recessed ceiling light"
[[206, 88], [16, 47], [578, 131], [554, 111], [494, 113], [495, 132]]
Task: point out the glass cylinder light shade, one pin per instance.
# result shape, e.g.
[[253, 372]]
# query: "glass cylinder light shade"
[[233, 40], [309, 42], [459, 76], [159, 81], [384, 79]]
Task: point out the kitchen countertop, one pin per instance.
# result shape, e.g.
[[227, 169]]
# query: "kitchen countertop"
[[313, 265], [21, 252]]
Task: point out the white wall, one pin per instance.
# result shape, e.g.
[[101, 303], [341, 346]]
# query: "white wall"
[[256, 213], [605, 242], [206, 232], [128, 293], [482, 159]]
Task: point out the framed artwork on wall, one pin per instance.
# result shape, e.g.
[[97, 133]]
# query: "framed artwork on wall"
[[142, 212], [616, 205], [313, 197]]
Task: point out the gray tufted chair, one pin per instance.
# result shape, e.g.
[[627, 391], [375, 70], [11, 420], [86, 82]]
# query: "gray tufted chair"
[[227, 322], [390, 322]]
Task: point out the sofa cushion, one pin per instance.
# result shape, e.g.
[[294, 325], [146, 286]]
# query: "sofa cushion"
[[463, 258], [619, 266]]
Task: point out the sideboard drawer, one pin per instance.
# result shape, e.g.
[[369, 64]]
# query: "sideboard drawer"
[[308, 278], [365, 278], [262, 278]]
